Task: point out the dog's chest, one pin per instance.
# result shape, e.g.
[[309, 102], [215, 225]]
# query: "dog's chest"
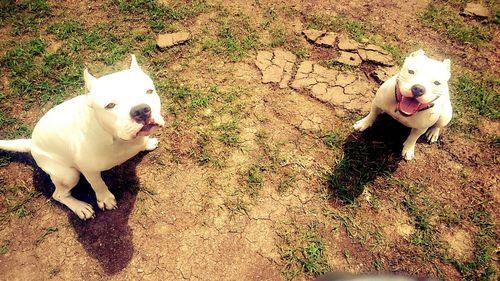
[[106, 157]]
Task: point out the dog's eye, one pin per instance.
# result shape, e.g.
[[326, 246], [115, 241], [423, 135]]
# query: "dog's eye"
[[110, 105], [150, 91], [411, 71], [437, 83]]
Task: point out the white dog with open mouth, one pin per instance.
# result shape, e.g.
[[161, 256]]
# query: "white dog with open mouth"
[[94, 132], [417, 97]]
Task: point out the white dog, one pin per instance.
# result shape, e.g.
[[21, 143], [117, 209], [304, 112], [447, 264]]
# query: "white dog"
[[417, 97], [94, 132]]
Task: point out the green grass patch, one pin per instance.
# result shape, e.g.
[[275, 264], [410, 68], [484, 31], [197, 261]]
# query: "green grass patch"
[[278, 36], [24, 16], [444, 18], [302, 250], [478, 94], [65, 29], [230, 133], [158, 15], [234, 38], [332, 139]]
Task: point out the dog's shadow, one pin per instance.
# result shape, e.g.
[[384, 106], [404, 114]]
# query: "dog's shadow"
[[108, 237], [367, 155]]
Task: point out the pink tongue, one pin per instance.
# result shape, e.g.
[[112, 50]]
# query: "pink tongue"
[[408, 105]]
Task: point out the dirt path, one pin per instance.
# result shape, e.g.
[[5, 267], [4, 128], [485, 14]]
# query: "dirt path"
[[259, 175]]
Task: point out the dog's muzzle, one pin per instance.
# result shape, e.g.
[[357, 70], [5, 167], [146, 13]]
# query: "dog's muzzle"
[[408, 106]]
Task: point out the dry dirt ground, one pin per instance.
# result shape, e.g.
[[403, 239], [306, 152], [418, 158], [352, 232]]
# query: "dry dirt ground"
[[255, 178]]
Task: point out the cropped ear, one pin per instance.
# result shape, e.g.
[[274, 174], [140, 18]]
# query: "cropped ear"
[[419, 52], [134, 64], [89, 79], [447, 64]]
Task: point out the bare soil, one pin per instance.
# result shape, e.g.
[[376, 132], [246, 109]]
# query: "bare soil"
[[181, 219]]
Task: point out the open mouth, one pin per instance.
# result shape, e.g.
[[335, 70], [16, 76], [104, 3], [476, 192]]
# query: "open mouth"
[[409, 106], [147, 129]]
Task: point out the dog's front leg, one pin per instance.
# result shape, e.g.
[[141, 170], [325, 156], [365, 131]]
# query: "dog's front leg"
[[105, 199], [366, 122], [409, 144]]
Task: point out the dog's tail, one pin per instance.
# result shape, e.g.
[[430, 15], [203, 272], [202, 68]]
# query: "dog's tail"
[[19, 145]]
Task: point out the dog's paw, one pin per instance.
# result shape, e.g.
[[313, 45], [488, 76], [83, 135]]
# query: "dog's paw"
[[152, 144], [106, 201], [432, 135], [408, 153], [83, 210], [361, 125]]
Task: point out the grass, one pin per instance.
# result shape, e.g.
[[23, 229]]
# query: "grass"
[[229, 134], [480, 94], [47, 232], [332, 139], [158, 15], [4, 248], [354, 28], [234, 38], [302, 250], [254, 180], [443, 18]]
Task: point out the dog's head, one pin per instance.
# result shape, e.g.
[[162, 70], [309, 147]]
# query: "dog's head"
[[421, 81], [125, 103]]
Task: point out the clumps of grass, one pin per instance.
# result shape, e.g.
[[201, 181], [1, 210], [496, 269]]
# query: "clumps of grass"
[[159, 15], [338, 23], [254, 180], [478, 94], [24, 16], [234, 38], [302, 250], [443, 18], [16, 200], [395, 52], [38, 76], [4, 248], [65, 29], [278, 35], [332, 139], [286, 183], [481, 266], [230, 134]]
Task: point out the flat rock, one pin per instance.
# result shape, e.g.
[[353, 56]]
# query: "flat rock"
[[349, 58], [276, 66], [348, 44], [313, 34], [476, 10], [172, 39], [327, 40], [376, 57], [320, 37]]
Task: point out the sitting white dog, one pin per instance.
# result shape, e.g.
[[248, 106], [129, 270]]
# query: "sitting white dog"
[[417, 97], [94, 132]]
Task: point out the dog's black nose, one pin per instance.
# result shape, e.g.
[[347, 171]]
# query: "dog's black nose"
[[417, 90], [140, 113]]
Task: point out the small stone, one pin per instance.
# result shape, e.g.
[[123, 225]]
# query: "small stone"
[[378, 49], [313, 34], [347, 44], [328, 40], [349, 58], [376, 57], [172, 39], [476, 10]]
